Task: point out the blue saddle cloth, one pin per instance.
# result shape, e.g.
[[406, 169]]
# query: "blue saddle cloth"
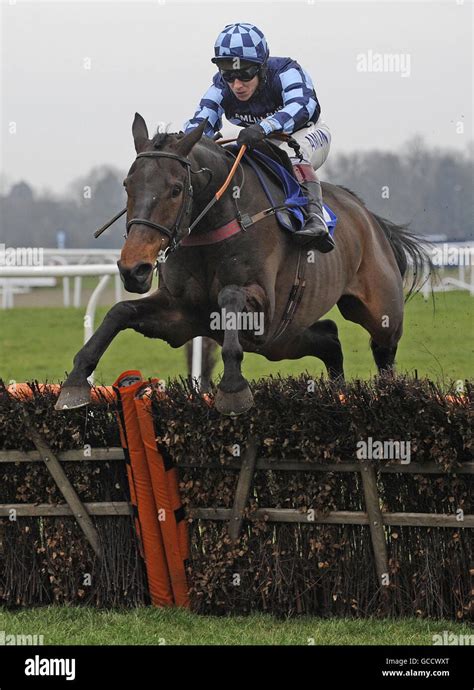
[[292, 218]]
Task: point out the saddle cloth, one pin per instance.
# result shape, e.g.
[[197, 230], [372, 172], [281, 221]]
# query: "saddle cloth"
[[291, 218]]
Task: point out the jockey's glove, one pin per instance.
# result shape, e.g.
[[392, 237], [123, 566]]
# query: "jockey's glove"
[[251, 136]]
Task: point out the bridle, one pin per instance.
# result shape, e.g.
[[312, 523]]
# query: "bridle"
[[185, 209]]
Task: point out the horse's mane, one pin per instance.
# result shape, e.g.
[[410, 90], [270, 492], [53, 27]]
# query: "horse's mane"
[[161, 139]]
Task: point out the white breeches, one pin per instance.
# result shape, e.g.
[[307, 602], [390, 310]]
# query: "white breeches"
[[314, 142]]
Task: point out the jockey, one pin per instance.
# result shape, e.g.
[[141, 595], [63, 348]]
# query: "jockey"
[[266, 94]]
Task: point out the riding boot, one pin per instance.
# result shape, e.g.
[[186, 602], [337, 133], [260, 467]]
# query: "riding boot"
[[315, 232]]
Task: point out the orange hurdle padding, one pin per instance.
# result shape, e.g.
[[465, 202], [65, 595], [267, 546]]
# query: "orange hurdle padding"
[[99, 394], [164, 481], [141, 491]]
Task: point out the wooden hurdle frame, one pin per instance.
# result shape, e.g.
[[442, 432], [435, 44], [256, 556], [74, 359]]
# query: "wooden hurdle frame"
[[373, 516]]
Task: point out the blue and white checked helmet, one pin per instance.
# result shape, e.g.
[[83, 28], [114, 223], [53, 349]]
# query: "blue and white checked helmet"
[[243, 41]]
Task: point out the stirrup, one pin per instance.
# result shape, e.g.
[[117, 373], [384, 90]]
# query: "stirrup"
[[324, 243]]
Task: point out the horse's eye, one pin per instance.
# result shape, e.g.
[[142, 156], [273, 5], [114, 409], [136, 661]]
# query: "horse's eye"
[[176, 191]]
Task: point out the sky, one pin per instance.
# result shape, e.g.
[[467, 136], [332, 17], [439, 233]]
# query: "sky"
[[74, 73]]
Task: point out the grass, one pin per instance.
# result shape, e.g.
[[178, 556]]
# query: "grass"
[[40, 343], [151, 626]]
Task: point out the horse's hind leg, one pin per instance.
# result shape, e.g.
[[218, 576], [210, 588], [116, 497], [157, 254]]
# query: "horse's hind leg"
[[324, 340], [384, 355], [320, 340], [385, 328]]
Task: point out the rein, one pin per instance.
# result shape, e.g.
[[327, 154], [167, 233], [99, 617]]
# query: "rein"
[[220, 191]]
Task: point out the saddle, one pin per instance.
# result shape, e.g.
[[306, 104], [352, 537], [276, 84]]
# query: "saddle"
[[279, 155], [270, 159]]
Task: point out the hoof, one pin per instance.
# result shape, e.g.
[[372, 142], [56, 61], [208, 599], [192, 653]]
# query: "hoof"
[[72, 397], [233, 404]]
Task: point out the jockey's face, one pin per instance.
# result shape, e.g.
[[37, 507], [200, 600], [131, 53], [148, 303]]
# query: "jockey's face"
[[243, 90]]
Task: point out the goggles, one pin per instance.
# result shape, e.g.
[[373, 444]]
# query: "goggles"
[[241, 74]]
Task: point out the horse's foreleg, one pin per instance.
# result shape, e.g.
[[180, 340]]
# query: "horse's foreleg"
[[152, 316], [76, 389], [233, 396]]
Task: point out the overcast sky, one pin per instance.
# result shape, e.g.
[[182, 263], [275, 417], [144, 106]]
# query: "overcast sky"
[[154, 57]]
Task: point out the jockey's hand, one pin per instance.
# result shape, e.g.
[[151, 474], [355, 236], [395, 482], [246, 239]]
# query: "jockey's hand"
[[251, 136]]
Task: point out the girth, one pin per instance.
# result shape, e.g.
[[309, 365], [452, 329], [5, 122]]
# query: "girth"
[[294, 299]]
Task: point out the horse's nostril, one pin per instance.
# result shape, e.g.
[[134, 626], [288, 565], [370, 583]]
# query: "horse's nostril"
[[124, 272], [141, 271]]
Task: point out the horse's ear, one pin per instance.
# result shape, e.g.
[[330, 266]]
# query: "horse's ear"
[[185, 144], [140, 132]]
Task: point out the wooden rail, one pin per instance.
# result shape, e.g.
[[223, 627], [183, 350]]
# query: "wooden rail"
[[340, 517], [62, 509], [111, 454], [374, 517]]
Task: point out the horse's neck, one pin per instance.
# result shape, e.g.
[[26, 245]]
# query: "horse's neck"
[[220, 163]]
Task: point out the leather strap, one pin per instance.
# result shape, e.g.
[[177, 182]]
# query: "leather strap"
[[304, 172], [294, 298], [214, 236], [228, 230]]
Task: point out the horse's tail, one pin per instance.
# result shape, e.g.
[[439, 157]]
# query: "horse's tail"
[[408, 248]]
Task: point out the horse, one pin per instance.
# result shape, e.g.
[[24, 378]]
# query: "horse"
[[259, 275]]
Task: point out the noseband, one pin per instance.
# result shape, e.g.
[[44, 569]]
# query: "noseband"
[[185, 209]]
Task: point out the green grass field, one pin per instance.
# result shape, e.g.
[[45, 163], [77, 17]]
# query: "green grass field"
[[81, 626], [40, 343]]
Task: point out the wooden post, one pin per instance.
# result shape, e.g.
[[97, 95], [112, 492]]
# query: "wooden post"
[[243, 488], [64, 485], [372, 503]]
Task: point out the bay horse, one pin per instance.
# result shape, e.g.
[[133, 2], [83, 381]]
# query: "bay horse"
[[259, 273]]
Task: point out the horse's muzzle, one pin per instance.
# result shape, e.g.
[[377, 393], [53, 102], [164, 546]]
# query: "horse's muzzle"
[[138, 278]]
